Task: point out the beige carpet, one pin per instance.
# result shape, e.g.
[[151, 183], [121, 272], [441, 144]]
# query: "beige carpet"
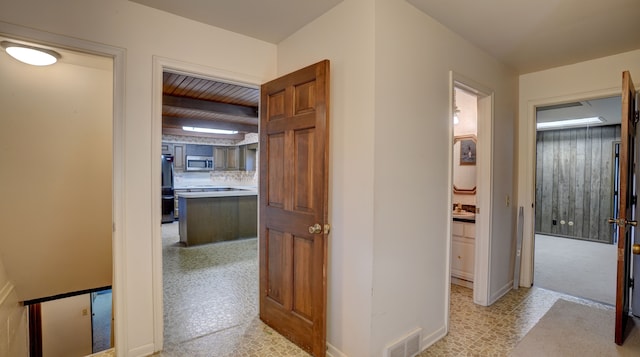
[[576, 267], [571, 329]]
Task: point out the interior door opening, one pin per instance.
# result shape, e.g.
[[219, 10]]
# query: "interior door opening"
[[209, 216], [577, 190], [472, 109]]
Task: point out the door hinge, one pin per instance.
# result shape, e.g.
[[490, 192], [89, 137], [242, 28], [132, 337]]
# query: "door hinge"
[[636, 116], [634, 200], [631, 283]]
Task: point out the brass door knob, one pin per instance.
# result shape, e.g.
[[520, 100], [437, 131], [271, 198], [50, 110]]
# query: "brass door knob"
[[315, 229], [636, 249], [622, 222]]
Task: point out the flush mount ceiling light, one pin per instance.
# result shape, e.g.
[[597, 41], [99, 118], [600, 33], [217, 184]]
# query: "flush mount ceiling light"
[[207, 130], [569, 123], [30, 55]]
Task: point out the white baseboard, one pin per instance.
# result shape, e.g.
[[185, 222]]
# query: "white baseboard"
[[334, 352], [434, 337], [146, 350], [500, 293]]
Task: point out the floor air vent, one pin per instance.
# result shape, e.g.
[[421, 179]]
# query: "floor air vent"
[[408, 346]]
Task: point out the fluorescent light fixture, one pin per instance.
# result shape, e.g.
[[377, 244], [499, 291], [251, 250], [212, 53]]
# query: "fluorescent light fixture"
[[30, 55], [208, 130], [569, 122]]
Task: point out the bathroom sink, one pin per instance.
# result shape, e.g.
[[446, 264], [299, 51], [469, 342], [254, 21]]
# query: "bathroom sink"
[[463, 214]]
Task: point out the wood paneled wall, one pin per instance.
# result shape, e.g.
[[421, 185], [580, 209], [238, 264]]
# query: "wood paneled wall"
[[574, 182]]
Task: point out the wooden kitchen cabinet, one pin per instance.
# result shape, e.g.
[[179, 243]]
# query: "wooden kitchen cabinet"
[[178, 157], [232, 158], [242, 157], [219, 157], [178, 153], [463, 250]]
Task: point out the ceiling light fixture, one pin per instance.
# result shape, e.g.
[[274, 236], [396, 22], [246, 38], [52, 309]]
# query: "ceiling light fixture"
[[569, 123], [208, 130], [30, 55]]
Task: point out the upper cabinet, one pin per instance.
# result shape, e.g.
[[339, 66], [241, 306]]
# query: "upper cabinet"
[[178, 153], [225, 158], [219, 157], [232, 158]]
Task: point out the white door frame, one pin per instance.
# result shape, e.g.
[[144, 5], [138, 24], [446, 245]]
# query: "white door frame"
[[117, 204], [484, 184], [161, 64], [529, 180]]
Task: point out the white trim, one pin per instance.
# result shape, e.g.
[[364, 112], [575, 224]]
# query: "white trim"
[[334, 352], [434, 337], [5, 292], [527, 173], [161, 64], [501, 292], [144, 350], [118, 55]]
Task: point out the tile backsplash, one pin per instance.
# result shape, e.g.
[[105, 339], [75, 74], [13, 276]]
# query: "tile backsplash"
[[217, 178]]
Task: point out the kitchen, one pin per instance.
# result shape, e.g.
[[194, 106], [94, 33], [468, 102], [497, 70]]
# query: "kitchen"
[[209, 148], [209, 206]]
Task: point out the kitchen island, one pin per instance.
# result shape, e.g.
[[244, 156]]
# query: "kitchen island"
[[214, 216]]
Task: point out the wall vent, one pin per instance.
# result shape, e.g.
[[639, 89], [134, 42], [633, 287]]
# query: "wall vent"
[[407, 346]]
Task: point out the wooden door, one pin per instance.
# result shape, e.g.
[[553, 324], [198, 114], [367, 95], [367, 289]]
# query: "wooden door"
[[294, 143], [626, 220]]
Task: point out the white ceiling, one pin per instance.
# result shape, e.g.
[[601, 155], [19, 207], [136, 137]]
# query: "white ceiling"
[[531, 35], [528, 35], [609, 109], [267, 20]]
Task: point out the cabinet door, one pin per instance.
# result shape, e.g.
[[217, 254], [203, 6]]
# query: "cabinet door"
[[462, 258], [199, 150], [219, 158], [178, 157], [232, 158], [242, 157]]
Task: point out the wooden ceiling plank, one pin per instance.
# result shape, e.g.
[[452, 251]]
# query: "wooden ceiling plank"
[[198, 104]]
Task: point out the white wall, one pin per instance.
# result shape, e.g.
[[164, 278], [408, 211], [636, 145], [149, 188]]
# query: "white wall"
[[57, 139], [66, 329], [143, 33], [597, 78], [349, 47], [390, 161], [13, 320], [414, 55]]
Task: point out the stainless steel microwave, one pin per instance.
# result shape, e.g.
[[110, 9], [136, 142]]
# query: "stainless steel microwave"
[[199, 163]]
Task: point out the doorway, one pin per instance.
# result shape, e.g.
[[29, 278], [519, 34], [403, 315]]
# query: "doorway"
[[576, 192], [480, 102], [77, 49], [204, 291]]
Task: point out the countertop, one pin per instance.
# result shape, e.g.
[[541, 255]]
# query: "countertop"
[[189, 187], [207, 194]]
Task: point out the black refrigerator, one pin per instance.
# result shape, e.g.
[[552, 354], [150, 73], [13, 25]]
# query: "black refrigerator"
[[167, 189]]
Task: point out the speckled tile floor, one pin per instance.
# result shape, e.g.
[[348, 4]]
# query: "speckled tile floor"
[[211, 301], [495, 330]]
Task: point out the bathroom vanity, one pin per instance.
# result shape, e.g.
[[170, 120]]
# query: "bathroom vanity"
[[463, 233]]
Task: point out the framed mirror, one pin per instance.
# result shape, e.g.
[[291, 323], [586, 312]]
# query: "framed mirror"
[[464, 164]]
